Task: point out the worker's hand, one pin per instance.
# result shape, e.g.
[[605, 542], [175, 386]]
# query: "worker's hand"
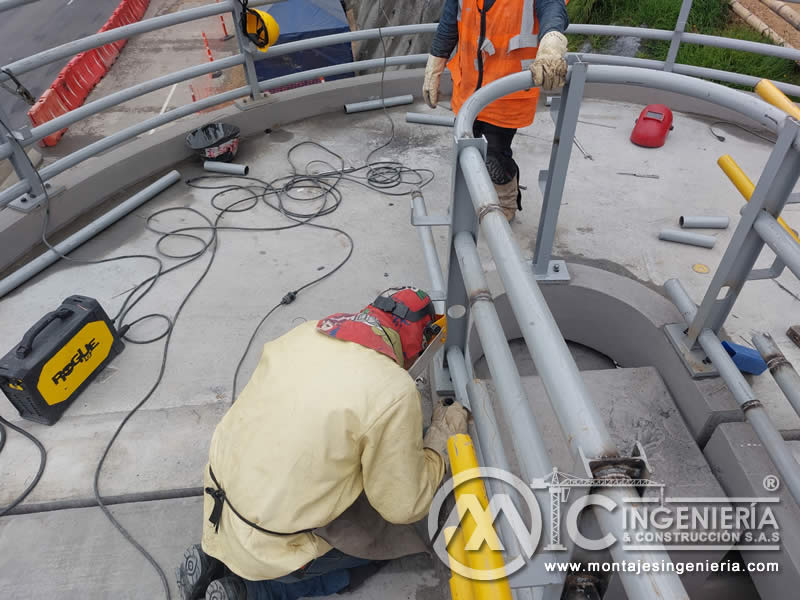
[[447, 421], [549, 68], [433, 73]]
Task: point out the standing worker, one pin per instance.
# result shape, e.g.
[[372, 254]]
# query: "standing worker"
[[320, 464], [496, 38]]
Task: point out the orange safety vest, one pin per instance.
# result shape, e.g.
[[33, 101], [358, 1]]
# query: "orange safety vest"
[[507, 33]]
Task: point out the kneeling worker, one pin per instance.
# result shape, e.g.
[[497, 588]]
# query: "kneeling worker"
[[320, 464]]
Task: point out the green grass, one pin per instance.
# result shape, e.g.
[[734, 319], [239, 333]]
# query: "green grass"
[[712, 17]]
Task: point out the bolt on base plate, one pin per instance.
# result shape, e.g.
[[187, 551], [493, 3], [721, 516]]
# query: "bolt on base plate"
[[694, 359], [556, 271]]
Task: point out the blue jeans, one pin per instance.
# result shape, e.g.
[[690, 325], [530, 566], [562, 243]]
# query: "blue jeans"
[[323, 576]]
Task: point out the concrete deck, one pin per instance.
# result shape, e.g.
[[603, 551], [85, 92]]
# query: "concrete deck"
[[607, 220]]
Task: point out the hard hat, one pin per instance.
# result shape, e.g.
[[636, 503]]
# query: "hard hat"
[[260, 28]]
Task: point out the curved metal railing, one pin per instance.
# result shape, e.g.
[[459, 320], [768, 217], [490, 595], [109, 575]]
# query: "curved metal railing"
[[247, 57]]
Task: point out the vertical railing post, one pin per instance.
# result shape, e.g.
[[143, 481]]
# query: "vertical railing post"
[[22, 166], [680, 27], [566, 123], [771, 193], [245, 47]]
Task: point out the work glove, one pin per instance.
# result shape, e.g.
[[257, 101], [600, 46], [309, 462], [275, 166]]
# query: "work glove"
[[448, 420], [549, 68], [433, 73]]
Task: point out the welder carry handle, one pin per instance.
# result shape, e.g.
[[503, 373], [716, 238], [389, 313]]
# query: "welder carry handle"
[[769, 93], [24, 347]]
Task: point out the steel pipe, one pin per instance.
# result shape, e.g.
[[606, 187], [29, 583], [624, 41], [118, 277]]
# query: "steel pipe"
[[782, 370], [9, 4], [355, 107], [582, 424], [117, 138], [13, 192], [684, 237], [43, 261], [425, 119], [704, 222], [525, 434], [458, 373], [429, 250], [781, 243], [215, 166], [752, 408]]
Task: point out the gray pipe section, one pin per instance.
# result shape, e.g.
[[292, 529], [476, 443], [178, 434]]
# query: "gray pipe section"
[[616, 30], [781, 243], [92, 108], [423, 119], [6, 150], [782, 370], [704, 222], [458, 373], [580, 421], [429, 250], [215, 166], [355, 107], [115, 139], [525, 434], [9, 4], [685, 237], [753, 410], [43, 261]]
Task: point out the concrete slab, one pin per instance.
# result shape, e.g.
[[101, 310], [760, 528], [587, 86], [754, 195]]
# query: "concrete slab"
[[77, 554], [636, 406], [741, 463]]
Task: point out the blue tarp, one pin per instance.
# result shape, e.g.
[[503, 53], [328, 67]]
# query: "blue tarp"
[[302, 19]]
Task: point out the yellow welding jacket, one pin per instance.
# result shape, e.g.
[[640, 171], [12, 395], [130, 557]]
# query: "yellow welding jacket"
[[260, 28]]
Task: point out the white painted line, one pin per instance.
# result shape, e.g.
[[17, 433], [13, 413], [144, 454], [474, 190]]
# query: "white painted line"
[[166, 103]]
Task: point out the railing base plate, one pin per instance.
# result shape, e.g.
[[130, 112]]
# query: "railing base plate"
[[556, 272], [694, 359]]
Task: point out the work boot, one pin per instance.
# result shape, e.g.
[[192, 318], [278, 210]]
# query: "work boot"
[[196, 571], [509, 197], [227, 588]]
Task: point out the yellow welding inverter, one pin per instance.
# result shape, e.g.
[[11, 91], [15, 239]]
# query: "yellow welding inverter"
[[57, 358]]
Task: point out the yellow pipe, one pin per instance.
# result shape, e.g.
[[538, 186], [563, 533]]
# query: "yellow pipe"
[[462, 458], [460, 586], [746, 187], [769, 93]]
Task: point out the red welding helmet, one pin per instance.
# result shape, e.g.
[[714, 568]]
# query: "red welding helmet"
[[409, 311], [652, 126]]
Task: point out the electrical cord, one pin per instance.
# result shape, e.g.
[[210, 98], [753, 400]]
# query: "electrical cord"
[[390, 178]]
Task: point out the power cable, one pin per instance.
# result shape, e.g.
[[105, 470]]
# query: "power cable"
[[391, 178]]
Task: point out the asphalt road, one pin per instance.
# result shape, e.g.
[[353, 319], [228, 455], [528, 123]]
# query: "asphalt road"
[[31, 28]]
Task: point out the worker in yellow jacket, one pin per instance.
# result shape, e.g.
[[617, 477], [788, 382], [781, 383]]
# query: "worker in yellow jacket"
[[492, 39], [320, 464]]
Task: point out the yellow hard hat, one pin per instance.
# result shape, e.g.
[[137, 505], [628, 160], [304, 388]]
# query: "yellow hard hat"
[[261, 28]]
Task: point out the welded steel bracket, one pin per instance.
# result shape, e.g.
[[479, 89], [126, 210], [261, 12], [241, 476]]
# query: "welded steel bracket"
[[556, 272], [28, 203], [772, 272], [694, 359], [429, 220], [442, 384]]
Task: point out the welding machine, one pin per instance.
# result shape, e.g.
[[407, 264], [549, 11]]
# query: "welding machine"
[[57, 358]]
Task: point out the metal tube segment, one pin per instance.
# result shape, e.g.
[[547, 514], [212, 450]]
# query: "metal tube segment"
[[753, 410], [43, 261], [691, 222], [779, 241], [525, 434], [216, 166], [9, 4], [424, 119], [355, 107], [685, 237], [429, 250], [782, 370]]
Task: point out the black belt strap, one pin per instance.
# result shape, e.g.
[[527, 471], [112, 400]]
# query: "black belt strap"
[[218, 494]]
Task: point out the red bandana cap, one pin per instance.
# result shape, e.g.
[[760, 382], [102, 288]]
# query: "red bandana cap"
[[408, 311]]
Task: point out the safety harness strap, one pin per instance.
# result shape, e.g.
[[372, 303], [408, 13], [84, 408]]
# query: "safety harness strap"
[[402, 311], [220, 498]]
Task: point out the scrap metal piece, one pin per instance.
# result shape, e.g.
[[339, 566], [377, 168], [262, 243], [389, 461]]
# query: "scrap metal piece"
[[643, 175]]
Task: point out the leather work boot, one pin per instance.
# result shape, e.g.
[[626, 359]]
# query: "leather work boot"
[[196, 571], [227, 588], [508, 195]]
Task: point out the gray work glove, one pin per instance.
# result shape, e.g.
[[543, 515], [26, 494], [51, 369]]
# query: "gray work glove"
[[447, 421], [549, 68], [433, 73]]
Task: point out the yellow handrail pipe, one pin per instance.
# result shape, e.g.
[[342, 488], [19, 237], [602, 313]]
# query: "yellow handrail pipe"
[[462, 458], [460, 586], [769, 93], [745, 186]]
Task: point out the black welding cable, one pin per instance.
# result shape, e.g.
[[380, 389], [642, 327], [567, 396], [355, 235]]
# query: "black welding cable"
[[42, 462]]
